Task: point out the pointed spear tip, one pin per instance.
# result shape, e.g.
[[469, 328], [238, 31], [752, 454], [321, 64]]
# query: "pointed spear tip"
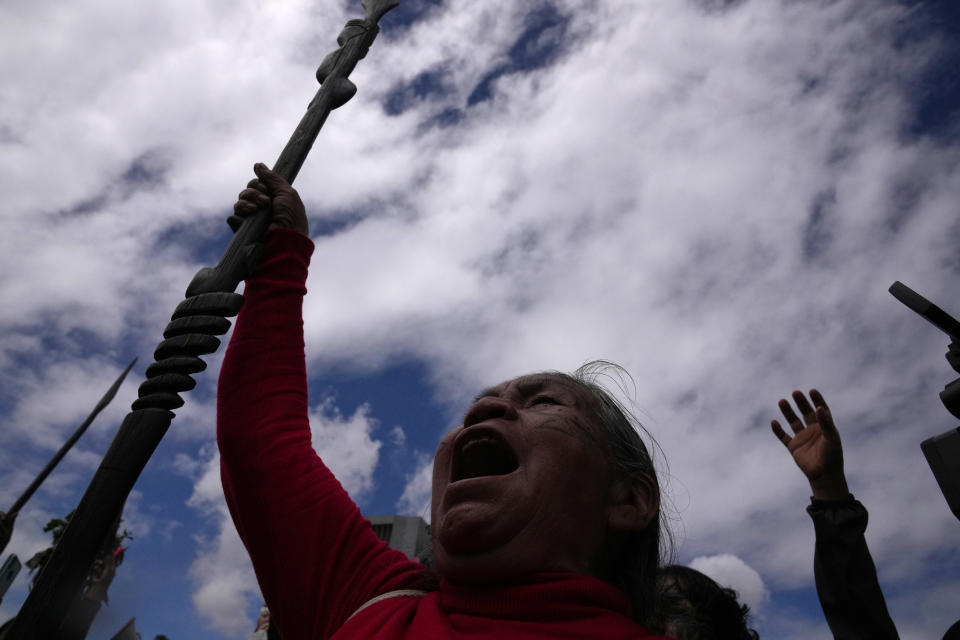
[[112, 391], [104, 401]]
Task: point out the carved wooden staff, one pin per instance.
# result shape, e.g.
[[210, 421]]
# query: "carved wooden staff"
[[191, 333], [8, 519]]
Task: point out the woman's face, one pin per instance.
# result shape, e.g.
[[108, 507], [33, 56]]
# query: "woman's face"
[[523, 485]]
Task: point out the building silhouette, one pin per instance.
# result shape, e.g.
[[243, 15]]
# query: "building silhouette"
[[409, 534]]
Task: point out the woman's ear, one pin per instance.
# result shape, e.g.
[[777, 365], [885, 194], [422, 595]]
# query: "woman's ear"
[[634, 504]]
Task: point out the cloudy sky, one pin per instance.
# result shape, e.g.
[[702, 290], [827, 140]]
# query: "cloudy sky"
[[715, 194]]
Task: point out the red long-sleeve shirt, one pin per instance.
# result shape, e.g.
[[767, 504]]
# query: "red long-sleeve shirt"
[[316, 558]]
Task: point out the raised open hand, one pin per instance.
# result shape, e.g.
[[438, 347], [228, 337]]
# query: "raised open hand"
[[815, 445], [267, 189]]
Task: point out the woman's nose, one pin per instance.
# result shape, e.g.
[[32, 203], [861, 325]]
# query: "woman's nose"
[[489, 408]]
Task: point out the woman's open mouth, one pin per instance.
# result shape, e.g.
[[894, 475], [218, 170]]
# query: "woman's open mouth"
[[483, 453]]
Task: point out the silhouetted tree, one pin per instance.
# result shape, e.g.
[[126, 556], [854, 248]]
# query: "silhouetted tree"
[[56, 527], [94, 590]]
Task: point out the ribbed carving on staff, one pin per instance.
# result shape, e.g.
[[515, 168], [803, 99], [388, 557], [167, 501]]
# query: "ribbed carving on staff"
[[191, 333]]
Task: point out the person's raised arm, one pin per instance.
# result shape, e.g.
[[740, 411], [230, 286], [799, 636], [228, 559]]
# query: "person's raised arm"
[[316, 558], [845, 575]]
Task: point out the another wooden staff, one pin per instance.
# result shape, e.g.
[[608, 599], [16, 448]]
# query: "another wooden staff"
[[7, 519]]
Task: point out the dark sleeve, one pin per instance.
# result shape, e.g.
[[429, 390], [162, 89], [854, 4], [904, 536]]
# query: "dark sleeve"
[[845, 575], [316, 558]]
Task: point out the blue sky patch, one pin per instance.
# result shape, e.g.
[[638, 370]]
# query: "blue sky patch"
[[432, 84], [539, 45]]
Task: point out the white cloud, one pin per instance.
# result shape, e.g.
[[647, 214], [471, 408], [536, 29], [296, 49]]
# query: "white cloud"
[[54, 403], [730, 571], [346, 446], [222, 575], [225, 582], [415, 499], [398, 436], [135, 521]]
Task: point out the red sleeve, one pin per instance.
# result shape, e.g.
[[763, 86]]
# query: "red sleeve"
[[316, 558]]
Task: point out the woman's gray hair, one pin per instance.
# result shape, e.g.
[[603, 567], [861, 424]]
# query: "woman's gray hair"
[[629, 560]]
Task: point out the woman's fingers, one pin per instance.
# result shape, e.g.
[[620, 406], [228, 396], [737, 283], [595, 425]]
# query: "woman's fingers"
[[819, 413], [780, 433], [252, 194], [808, 413], [791, 417], [256, 184], [824, 417], [251, 200]]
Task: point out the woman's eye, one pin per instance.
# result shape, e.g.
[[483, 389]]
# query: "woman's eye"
[[543, 400]]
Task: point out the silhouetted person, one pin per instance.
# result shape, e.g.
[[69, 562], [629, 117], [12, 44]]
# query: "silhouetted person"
[[262, 625], [845, 575], [692, 606]]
